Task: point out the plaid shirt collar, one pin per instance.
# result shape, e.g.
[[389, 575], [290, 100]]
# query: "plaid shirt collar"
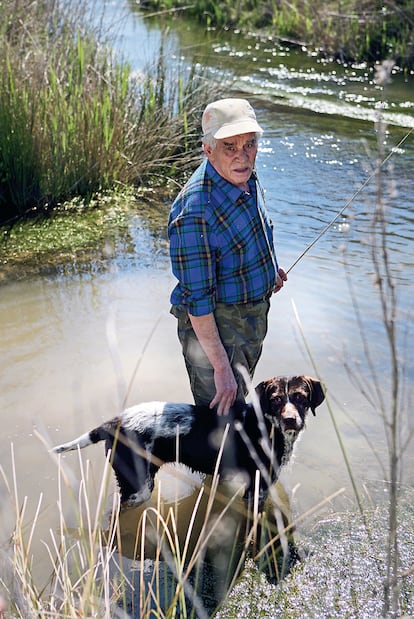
[[231, 191]]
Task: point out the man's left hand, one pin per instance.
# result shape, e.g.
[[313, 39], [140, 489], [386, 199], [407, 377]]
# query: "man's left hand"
[[280, 279]]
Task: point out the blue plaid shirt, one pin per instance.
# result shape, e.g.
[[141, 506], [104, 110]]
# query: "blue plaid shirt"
[[218, 248]]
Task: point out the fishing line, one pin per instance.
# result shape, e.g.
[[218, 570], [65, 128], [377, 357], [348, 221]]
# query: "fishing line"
[[361, 188]]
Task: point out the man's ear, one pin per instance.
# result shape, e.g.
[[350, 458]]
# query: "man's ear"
[[317, 393]]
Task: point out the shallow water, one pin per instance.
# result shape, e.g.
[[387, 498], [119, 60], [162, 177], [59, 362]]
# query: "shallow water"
[[76, 347]]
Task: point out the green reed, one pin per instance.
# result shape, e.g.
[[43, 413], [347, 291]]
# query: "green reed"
[[73, 117]]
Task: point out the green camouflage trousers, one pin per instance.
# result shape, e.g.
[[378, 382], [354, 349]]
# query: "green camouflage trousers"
[[242, 329]]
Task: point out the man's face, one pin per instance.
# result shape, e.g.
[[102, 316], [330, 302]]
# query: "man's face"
[[234, 158]]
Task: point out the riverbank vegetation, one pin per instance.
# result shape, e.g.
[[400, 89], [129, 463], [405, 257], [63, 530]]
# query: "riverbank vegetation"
[[342, 576], [75, 120], [349, 30], [149, 562]]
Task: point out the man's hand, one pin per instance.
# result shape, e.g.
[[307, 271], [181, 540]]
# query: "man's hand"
[[205, 328], [280, 279], [226, 390]]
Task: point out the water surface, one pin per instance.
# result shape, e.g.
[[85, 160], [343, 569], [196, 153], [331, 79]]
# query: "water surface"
[[77, 346]]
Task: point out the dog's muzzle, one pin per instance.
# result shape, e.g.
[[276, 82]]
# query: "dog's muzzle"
[[290, 425], [291, 432]]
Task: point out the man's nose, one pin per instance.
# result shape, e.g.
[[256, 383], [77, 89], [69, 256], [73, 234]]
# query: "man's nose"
[[241, 152]]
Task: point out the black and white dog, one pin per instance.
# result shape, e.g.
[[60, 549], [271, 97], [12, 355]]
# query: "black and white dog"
[[148, 435]]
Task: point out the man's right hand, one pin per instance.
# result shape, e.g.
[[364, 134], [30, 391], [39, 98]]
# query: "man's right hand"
[[205, 328], [226, 390]]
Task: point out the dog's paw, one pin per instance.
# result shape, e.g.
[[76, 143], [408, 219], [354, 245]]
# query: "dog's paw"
[[136, 499]]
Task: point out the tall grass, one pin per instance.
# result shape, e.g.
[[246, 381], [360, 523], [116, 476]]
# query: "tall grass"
[[73, 117], [163, 559], [79, 557], [390, 397]]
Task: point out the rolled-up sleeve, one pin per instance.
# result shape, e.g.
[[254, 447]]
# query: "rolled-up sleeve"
[[193, 263]]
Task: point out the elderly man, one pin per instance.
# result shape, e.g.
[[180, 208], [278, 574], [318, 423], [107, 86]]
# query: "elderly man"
[[222, 254]]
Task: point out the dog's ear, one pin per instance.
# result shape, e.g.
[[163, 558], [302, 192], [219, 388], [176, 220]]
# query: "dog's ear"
[[261, 390], [317, 393]]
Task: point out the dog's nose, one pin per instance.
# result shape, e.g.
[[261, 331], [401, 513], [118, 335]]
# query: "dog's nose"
[[290, 418], [290, 425]]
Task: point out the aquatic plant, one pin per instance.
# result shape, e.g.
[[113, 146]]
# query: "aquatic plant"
[[343, 574]]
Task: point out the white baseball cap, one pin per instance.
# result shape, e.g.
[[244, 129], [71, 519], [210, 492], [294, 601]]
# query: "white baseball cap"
[[227, 117]]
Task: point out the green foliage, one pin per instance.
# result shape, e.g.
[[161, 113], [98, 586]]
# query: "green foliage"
[[74, 120]]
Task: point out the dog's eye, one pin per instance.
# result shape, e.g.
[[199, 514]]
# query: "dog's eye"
[[277, 399], [298, 399]]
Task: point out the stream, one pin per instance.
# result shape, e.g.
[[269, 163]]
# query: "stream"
[[77, 346]]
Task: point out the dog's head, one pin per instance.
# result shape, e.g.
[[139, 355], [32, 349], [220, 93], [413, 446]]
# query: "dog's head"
[[285, 401]]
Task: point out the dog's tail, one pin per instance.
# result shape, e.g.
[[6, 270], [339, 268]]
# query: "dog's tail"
[[90, 438]]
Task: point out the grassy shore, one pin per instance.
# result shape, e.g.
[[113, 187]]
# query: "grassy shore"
[[75, 119], [349, 30]]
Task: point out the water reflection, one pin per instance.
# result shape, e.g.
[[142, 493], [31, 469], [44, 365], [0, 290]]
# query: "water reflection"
[[208, 529]]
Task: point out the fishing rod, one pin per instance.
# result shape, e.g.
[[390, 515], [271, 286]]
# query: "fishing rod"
[[356, 194]]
